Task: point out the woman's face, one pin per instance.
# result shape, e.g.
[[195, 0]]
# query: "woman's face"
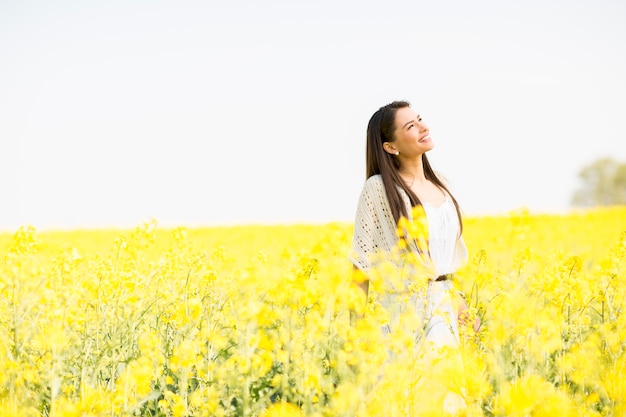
[[412, 136]]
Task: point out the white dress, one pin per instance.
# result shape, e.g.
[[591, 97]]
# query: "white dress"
[[375, 233], [443, 226], [431, 311]]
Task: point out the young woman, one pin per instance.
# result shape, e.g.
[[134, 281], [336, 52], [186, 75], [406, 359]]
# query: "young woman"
[[400, 178]]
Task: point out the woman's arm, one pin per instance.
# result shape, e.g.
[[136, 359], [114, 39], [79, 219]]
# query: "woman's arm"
[[463, 316], [360, 280]]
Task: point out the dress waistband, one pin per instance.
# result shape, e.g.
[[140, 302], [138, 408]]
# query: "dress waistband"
[[444, 277]]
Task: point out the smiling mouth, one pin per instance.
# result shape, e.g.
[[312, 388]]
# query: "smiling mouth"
[[425, 138]]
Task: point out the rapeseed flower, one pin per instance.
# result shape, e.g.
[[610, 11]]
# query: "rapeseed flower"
[[254, 321]]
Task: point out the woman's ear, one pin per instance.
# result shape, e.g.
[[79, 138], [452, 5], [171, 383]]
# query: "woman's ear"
[[389, 148]]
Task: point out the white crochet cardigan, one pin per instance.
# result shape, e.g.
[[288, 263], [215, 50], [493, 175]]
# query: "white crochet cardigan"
[[375, 230]]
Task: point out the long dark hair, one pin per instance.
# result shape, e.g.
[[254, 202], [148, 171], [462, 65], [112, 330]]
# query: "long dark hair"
[[380, 129]]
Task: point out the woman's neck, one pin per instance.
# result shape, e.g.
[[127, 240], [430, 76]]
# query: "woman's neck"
[[413, 170]]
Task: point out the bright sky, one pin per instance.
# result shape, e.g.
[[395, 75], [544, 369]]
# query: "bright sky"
[[208, 113]]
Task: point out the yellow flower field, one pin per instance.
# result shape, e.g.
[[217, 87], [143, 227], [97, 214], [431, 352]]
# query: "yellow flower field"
[[254, 321]]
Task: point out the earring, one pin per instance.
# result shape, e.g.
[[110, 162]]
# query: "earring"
[[397, 153]]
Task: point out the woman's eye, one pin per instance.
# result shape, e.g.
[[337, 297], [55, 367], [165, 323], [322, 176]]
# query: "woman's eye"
[[410, 126]]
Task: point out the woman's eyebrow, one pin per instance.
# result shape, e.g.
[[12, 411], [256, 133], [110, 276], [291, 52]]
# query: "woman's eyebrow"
[[411, 121]]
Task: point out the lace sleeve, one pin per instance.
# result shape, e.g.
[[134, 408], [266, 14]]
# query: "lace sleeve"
[[374, 226]]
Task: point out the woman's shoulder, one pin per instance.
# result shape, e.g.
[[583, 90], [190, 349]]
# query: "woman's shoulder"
[[374, 184], [442, 178], [375, 179]]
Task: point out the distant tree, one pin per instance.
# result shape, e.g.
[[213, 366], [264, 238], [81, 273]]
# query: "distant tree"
[[602, 183]]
